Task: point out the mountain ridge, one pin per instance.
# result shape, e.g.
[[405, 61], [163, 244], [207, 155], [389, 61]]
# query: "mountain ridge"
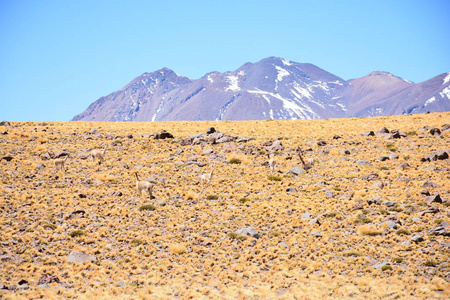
[[273, 88]]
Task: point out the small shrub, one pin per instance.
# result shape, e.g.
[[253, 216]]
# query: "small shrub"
[[274, 233], [178, 205], [178, 249], [147, 207], [383, 168], [369, 230], [237, 236], [438, 221], [391, 147], [410, 133], [235, 161], [386, 268], [364, 220], [244, 199], [274, 178], [212, 197], [136, 242], [398, 260], [402, 232], [331, 215], [77, 233], [49, 226], [430, 263], [407, 157], [352, 253]]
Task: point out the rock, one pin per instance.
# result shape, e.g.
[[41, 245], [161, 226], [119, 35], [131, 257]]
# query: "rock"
[[416, 219], [378, 185], [383, 158], [124, 165], [82, 195], [336, 137], [40, 167], [208, 151], [244, 139], [363, 162], [11, 258], [7, 158], [404, 166], [370, 177], [430, 210], [442, 154], [374, 200], [393, 156], [434, 199], [80, 257], [391, 224], [429, 184], [445, 128], [345, 152], [314, 222], [93, 131], [291, 190], [163, 135], [382, 130], [380, 265], [249, 232], [321, 143], [435, 131], [4, 123], [368, 133], [440, 230], [276, 145], [59, 154], [417, 238], [393, 218], [389, 203], [47, 279], [296, 171], [316, 234], [306, 215], [210, 130], [357, 206], [406, 243]]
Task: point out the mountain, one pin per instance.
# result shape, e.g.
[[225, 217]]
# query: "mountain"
[[273, 88]]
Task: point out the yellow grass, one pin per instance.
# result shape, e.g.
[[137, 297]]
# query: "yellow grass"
[[183, 244]]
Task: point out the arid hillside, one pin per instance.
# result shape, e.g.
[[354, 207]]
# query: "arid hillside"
[[319, 209]]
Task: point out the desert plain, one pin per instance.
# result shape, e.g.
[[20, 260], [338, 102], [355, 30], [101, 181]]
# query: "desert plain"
[[368, 220]]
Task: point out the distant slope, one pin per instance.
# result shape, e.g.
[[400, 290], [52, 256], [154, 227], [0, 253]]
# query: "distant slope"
[[272, 88]]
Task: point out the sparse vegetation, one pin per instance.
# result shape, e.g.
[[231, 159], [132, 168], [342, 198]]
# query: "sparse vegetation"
[[391, 147], [184, 246], [274, 178], [235, 161]]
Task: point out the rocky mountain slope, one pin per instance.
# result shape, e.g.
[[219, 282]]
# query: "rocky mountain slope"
[[272, 88]]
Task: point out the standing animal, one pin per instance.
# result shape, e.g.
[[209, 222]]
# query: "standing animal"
[[207, 177], [308, 164], [142, 185], [98, 154], [60, 163]]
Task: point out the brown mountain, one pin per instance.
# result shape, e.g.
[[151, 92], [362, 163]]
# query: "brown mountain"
[[272, 88]]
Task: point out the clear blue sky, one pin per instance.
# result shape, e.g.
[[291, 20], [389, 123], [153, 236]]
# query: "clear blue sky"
[[57, 57]]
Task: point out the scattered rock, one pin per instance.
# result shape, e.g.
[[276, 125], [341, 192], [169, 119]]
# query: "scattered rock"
[[321, 143], [163, 135], [380, 265], [370, 177], [383, 158], [440, 230], [47, 279], [59, 154], [435, 131], [417, 238], [40, 167], [7, 158], [336, 137], [404, 166], [363, 162], [378, 185], [210, 130], [316, 234], [382, 130], [345, 152], [430, 210], [291, 190], [391, 224], [296, 171], [434, 199], [306, 215], [368, 133], [389, 203], [249, 232], [80, 257], [4, 123]]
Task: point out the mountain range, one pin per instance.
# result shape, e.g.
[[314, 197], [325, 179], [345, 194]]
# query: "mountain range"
[[273, 88]]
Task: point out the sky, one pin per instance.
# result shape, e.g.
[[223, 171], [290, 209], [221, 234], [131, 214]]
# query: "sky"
[[57, 57]]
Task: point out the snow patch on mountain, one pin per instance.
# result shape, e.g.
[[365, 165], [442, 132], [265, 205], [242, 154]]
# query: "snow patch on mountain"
[[431, 100], [233, 81], [447, 78], [281, 73], [445, 92]]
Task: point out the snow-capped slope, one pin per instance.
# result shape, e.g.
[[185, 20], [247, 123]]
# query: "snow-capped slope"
[[273, 88]]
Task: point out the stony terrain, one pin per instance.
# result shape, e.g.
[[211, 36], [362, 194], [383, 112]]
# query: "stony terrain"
[[368, 220]]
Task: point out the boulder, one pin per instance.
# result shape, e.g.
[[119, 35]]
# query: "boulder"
[[80, 257], [163, 135]]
